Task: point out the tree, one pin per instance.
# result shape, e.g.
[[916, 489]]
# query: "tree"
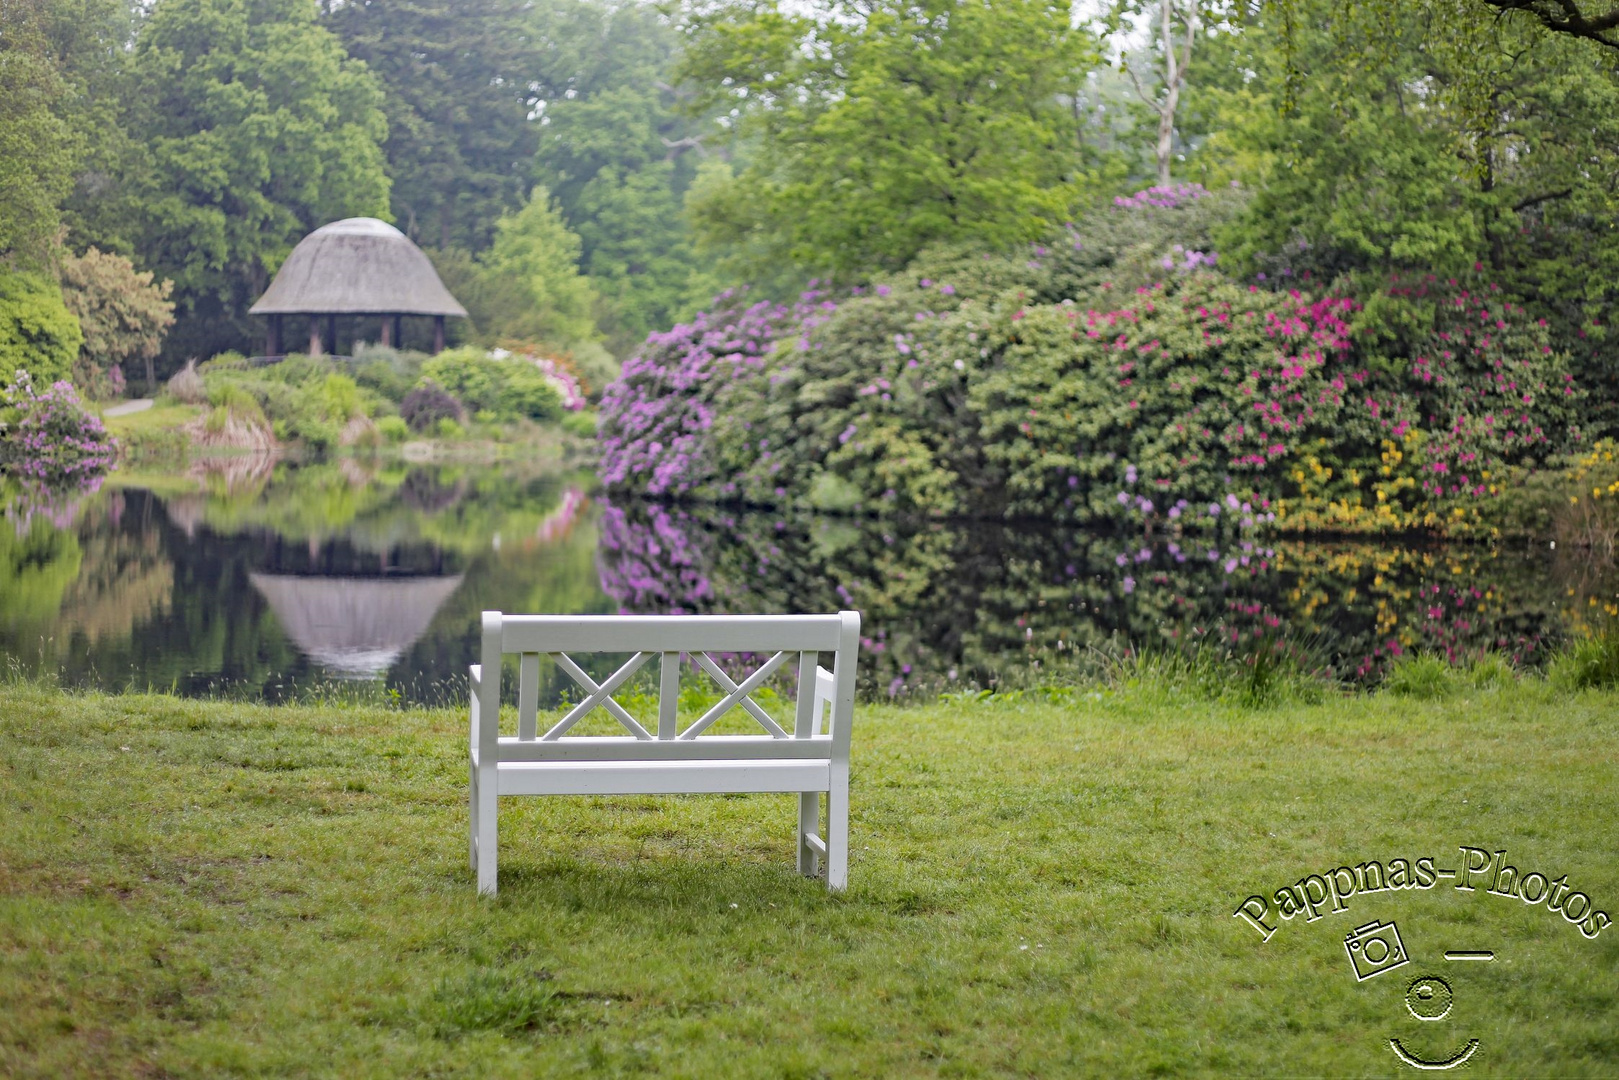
[[619, 154], [1175, 57], [89, 40], [527, 286], [37, 332], [462, 79], [1371, 171], [869, 130], [256, 128], [123, 314], [37, 149]]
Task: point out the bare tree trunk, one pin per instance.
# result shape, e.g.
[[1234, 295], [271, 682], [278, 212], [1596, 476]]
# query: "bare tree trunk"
[[1174, 75], [1172, 93]]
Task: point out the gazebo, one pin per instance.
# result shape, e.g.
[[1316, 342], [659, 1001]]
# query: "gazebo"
[[356, 267]]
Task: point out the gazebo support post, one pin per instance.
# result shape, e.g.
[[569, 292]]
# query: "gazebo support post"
[[438, 334], [314, 335], [387, 330]]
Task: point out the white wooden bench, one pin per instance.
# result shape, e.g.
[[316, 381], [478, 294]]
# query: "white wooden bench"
[[658, 757]]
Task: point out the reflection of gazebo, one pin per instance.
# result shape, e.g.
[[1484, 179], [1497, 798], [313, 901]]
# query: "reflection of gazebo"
[[355, 627], [357, 266]]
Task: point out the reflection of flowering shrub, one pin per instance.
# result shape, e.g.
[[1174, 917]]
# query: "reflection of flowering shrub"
[[648, 563], [49, 438], [951, 603]]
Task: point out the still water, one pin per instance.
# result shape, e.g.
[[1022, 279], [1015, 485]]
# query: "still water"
[[271, 579]]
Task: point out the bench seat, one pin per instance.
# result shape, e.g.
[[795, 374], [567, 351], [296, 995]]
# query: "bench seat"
[[808, 756]]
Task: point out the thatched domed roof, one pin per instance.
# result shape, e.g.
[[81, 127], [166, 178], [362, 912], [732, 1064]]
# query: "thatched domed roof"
[[357, 266], [354, 627]]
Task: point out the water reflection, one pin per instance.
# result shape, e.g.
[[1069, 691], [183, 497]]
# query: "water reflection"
[[260, 577], [353, 626], [957, 603]]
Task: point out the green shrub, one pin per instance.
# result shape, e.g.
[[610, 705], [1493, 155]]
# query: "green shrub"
[[393, 428], [509, 388], [581, 424], [525, 391], [468, 374], [37, 332], [341, 396], [387, 372], [449, 429]]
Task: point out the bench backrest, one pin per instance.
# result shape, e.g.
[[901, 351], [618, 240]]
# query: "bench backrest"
[[824, 706]]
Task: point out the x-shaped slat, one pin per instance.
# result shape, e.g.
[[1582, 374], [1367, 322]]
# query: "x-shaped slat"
[[599, 695], [738, 695]]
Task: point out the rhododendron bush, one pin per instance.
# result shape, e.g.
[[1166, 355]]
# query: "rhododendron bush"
[[1113, 373], [47, 438]]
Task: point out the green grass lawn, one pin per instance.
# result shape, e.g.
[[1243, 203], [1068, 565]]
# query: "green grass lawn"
[[203, 889]]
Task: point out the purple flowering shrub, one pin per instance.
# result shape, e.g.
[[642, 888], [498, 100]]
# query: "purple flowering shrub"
[[851, 414], [48, 438], [1113, 374], [656, 419]]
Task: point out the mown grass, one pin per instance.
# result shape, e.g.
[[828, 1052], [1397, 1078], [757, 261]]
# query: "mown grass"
[[213, 889]]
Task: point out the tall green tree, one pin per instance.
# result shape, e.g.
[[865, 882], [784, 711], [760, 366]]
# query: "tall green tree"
[[256, 128], [37, 147], [527, 286], [462, 79], [619, 153], [873, 129], [90, 41]]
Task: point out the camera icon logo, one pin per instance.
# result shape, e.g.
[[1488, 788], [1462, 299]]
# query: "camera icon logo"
[[1374, 949]]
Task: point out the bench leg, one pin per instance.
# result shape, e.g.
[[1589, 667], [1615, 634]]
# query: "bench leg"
[[472, 816], [837, 828], [486, 842], [809, 815]]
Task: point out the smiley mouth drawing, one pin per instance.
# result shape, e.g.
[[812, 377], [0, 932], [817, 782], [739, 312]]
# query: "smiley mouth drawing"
[[1429, 998], [1423, 1063]]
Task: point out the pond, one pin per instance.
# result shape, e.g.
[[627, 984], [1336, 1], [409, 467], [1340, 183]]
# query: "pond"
[[272, 580]]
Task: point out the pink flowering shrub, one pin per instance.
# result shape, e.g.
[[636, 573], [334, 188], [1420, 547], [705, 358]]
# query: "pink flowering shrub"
[[1113, 374], [48, 438]]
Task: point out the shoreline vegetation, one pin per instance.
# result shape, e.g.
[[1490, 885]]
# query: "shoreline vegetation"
[[203, 888], [1264, 673]]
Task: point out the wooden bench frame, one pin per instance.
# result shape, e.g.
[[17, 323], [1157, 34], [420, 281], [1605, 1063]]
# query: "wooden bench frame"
[[810, 759]]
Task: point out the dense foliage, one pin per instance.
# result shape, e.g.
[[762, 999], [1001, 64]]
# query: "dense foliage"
[[1110, 374], [37, 331], [123, 315], [946, 117]]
